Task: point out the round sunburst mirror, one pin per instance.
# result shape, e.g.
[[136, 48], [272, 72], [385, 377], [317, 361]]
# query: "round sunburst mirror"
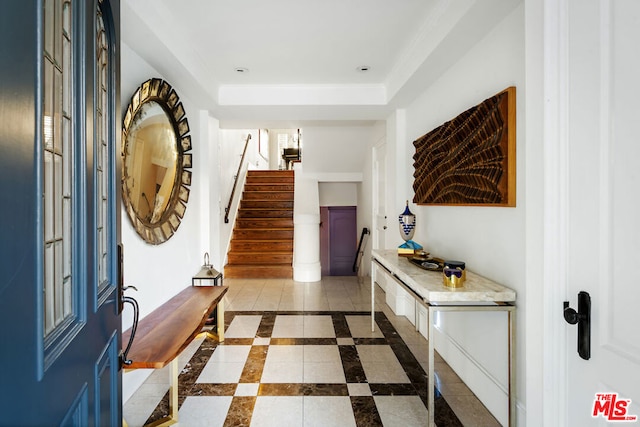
[[155, 164]]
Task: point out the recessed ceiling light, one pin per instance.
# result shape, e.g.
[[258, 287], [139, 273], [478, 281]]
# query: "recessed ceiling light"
[[363, 68], [242, 70]]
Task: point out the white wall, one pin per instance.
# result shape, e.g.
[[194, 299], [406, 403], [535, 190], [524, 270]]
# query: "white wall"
[[490, 240], [211, 204], [335, 153], [161, 271], [338, 193], [340, 158], [538, 373]]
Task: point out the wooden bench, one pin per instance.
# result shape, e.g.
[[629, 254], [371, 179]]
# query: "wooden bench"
[[163, 334]]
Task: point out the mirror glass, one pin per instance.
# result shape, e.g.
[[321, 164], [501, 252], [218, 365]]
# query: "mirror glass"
[[155, 175], [151, 162]]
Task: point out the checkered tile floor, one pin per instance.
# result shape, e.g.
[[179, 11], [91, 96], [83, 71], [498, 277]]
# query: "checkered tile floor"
[[283, 364], [306, 368]]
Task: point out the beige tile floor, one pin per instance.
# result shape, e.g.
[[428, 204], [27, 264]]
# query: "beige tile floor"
[[330, 294]]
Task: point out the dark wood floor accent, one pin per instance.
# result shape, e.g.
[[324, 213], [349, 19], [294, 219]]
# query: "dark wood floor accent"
[[262, 241]]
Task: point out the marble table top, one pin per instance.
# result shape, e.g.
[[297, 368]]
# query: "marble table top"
[[477, 290]]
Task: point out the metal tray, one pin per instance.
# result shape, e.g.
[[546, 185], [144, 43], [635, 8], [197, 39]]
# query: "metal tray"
[[429, 264]]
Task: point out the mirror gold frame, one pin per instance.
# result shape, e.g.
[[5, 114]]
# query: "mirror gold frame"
[[159, 165]]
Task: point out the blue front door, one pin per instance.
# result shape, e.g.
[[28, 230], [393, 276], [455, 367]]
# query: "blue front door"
[[59, 294]]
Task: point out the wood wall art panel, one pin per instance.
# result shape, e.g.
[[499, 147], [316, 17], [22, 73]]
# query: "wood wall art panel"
[[471, 159]]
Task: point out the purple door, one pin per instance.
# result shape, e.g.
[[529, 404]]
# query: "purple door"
[[343, 238], [324, 241]]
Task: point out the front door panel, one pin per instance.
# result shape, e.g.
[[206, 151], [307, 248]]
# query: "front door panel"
[[59, 135]]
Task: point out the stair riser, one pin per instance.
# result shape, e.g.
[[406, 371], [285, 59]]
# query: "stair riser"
[[262, 234], [269, 180], [265, 213], [268, 187], [259, 258], [267, 195], [260, 246], [270, 173], [249, 272], [266, 204], [245, 224]]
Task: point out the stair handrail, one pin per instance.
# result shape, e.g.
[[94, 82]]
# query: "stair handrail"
[[235, 181], [360, 252]]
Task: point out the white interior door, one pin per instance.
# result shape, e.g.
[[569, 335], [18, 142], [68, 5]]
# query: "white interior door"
[[379, 199], [603, 209], [379, 195]]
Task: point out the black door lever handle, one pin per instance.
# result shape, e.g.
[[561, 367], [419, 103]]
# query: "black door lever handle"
[[583, 318], [570, 315]]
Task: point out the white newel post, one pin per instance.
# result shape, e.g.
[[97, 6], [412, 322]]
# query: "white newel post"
[[306, 229]]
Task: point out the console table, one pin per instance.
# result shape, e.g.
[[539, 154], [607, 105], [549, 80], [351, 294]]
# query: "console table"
[[477, 294]]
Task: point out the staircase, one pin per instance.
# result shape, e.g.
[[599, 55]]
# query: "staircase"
[[262, 241]]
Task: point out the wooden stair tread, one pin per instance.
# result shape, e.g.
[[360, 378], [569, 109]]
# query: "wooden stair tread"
[[265, 240], [263, 229], [262, 239], [259, 253]]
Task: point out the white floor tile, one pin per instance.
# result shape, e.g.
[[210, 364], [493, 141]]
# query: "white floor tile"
[[204, 411], [277, 411], [401, 411], [321, 353], [323, 373], [359, 389], [288, 327], [225, 365], [318, 327], [247, 389], [243, 327], [282, 372], [221, 373], [376, 353], [284, 364], [230, 354], [380, 365], [261, 341], [384, 373], [328, 411], [285, 353], [360, 327]]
